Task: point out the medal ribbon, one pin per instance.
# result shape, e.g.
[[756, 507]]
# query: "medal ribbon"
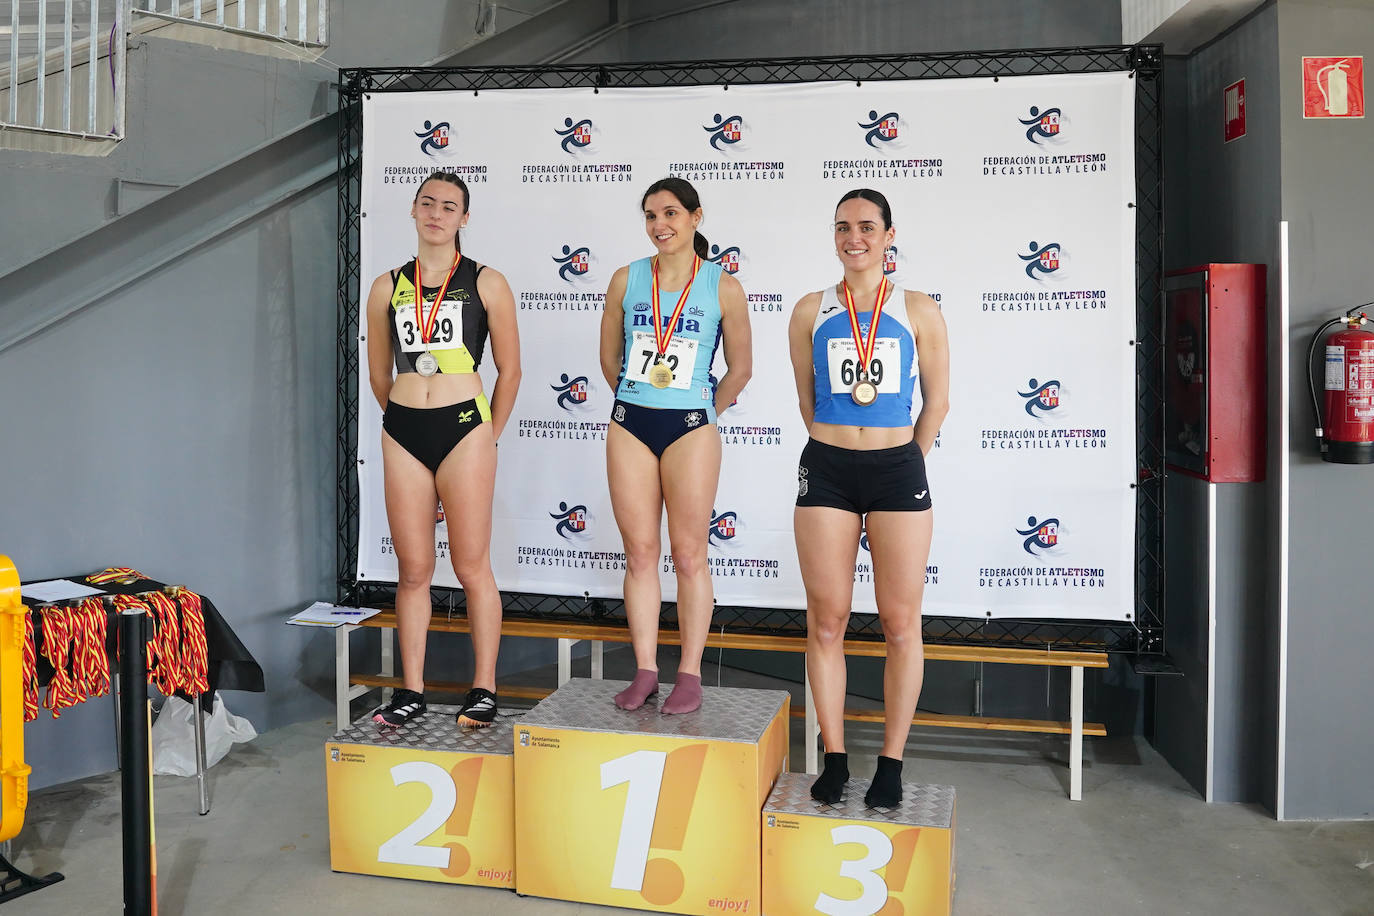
[[664, 336], [865, 348], [426, 325]]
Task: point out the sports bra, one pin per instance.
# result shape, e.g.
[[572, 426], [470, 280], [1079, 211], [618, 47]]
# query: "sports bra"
[[834, 355], [460, 328]]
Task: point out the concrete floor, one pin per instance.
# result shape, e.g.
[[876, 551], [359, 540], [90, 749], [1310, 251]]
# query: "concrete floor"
[[1141, 841]]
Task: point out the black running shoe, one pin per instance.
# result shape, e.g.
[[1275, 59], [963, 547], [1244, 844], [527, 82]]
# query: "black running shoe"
[[478, 710], [404, 706]]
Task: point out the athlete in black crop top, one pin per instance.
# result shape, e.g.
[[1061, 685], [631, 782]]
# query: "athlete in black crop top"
[[439, 432]]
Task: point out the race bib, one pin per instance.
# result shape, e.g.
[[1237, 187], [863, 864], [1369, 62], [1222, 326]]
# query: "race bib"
[[681, 357], [884, 370], [448, 326]]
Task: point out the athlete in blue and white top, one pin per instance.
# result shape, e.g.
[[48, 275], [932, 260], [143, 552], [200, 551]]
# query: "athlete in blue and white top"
[[864, 467], [663, 448]]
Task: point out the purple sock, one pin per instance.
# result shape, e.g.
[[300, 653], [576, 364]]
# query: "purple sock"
[[641, 688], [686, 695]]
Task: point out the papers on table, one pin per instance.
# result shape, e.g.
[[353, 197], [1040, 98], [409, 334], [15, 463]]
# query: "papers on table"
[[57, 590], [322, 614]]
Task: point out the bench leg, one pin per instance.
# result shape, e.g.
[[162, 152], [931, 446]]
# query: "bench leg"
[[341, 675], [564, 660], [388, 659], [813, 728], [1076, 733], [596, 658]]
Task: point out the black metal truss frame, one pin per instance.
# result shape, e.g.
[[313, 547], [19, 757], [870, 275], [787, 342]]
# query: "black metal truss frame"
[[1141, 633]]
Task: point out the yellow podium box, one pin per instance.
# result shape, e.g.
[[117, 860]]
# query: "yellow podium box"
[[642, 810], [428, 801], [852, 860]]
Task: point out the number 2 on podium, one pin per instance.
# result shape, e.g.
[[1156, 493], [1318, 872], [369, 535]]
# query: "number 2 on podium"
[[643, 770]]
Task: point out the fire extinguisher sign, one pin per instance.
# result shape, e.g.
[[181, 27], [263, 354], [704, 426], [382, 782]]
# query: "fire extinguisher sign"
[[1333, 87]]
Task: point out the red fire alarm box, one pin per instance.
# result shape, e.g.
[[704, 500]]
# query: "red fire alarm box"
[[1214, 372]]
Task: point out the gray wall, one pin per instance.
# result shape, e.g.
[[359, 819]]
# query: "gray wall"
[[1328, 197], [1222, 205], [779, 28]]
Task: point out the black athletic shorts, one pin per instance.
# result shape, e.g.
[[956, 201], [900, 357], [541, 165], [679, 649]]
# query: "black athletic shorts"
[[872, 480]]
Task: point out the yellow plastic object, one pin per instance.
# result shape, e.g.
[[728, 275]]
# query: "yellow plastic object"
[[14, 775]]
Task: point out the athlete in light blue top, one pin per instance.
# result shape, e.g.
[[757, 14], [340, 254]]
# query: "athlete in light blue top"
[[864, 469], [696, 334], [663, 448]]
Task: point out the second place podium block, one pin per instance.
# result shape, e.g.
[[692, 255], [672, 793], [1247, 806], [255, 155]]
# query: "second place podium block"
[[428, 801], [642, 810]]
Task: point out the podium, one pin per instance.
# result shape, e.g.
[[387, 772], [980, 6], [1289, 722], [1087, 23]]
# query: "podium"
[[642, 810], [854, 860], [428, 801]]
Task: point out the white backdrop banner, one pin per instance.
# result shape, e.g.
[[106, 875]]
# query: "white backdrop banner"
[[1011, 201]]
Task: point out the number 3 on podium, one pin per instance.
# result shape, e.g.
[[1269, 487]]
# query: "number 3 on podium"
[[877, 853]]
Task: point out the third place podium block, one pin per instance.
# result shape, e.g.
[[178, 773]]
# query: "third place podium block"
[[853, 860], [428, 800], [638, 809]]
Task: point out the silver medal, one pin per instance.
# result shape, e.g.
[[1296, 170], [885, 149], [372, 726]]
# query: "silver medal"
[[426, 364]]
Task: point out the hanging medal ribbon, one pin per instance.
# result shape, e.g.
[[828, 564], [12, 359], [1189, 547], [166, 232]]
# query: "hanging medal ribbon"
[[426, 364], [661, 375], [864, 392]]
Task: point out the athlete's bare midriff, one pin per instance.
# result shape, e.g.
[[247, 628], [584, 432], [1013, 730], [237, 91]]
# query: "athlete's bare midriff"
[[411, 389], [861, 438]]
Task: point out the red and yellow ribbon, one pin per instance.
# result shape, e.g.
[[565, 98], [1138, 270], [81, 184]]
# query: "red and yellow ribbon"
[[426, 324], [114, 574], [664, 336], [30, 672], [865, 348]]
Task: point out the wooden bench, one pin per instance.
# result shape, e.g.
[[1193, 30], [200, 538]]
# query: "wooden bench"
[[349, 685]]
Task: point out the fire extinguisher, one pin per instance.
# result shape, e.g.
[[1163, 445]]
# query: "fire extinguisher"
[[1345, 425]]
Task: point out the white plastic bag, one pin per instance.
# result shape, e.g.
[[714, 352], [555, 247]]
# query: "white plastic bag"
[[174, 741]]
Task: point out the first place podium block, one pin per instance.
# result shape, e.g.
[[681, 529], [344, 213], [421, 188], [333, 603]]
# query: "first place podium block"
[[853, 860], [642, 810], [428, 801]]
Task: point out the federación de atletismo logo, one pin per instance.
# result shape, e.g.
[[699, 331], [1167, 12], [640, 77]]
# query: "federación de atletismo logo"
[[574, 262], [1041, 398], [434, 138], [724, 527], [727, 258], [572, 391], [1042, 260], [724, 130], [880, 128], [890, 260], [1040, 535], [1043, 124], [570, 520], [576, 134]]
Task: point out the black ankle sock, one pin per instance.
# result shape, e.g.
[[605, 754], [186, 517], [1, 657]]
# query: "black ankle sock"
[[886, 790], [829, 787]]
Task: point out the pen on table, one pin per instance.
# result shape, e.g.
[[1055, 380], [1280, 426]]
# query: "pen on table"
[[345, 613]]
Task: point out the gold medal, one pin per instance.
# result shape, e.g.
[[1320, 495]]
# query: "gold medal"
[[864, 392], [660, 376]]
